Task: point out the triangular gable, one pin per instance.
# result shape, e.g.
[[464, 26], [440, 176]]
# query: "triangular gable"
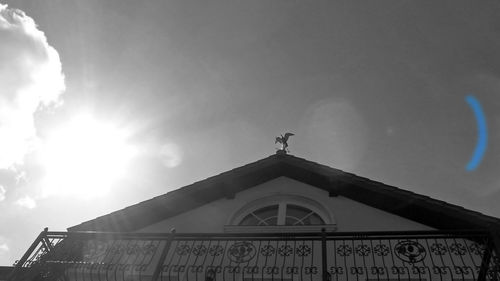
[[419, 208]]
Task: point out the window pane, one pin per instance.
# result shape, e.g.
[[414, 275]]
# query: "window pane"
[[294, 215], [313, 219], [270, 221], [298, 215], [292, 221], [263, 216], [249, 220], [266, 212]]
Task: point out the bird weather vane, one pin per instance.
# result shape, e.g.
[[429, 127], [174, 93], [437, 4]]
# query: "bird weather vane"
[[283, 140]]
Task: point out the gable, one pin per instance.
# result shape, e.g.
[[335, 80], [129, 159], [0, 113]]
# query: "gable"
[[401, 203], [345, 214]]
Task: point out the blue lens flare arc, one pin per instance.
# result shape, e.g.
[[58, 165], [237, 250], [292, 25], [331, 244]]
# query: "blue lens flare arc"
[[482, 140]]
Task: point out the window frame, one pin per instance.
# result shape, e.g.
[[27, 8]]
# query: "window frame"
[[282, 201]]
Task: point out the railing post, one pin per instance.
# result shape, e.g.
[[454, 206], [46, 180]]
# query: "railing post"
[[46, 241], [495, 239], [485, 262], [164, 253], [27, 254], [324, 264]]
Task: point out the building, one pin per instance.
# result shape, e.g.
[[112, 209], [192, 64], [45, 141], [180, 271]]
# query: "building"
[[280, 218]]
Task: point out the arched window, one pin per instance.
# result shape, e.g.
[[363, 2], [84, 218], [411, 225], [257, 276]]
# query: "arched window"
[[281, 213], [264, 216], [298, 215], [289, 214]]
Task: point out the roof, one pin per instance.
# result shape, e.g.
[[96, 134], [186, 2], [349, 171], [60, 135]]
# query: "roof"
[[423, 209]]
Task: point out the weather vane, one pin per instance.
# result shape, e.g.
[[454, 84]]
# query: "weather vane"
[[283, 140]]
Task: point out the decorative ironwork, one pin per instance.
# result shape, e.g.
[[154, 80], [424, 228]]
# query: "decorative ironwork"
[[363, 250], [381, 250], [183, 250], [267, 250], [344, 250], [438, 249], [241, 252], [199, 250], [410, 251], [215, 250], [285, 250], [303, 250], [458, 249], [432, 255], [476, 249]]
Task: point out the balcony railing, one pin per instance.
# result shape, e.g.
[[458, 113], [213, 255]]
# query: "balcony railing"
[[429, 255]]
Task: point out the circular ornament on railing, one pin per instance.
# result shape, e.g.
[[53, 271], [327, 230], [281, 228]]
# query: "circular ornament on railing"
[[410, 251], [241, 252]]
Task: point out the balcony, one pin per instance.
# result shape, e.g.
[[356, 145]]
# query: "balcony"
[[423, 255]]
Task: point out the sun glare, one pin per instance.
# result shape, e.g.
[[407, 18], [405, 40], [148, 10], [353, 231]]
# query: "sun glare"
[[84, 158]]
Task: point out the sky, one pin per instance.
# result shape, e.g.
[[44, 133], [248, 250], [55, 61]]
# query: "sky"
[[104, 104]]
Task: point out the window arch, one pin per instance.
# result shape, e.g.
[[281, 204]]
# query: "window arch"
[[281, 213]]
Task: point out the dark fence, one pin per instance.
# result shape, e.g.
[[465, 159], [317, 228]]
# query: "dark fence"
[[429, 255]]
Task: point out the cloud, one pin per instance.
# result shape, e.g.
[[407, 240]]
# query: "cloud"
[[30, 79], [26, 202], [2, 193], [4, 247]]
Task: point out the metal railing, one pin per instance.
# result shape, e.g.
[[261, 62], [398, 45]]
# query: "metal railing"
[[370, 256]]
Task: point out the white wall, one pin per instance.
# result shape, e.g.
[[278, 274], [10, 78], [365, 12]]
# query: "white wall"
[[348, 215]]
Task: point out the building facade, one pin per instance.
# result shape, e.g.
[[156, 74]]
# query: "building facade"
[[280, 218]]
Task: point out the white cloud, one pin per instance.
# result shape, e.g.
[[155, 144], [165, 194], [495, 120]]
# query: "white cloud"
[[26, 202], [171, 155], [2, 193], [4, 247], [30, 78]]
